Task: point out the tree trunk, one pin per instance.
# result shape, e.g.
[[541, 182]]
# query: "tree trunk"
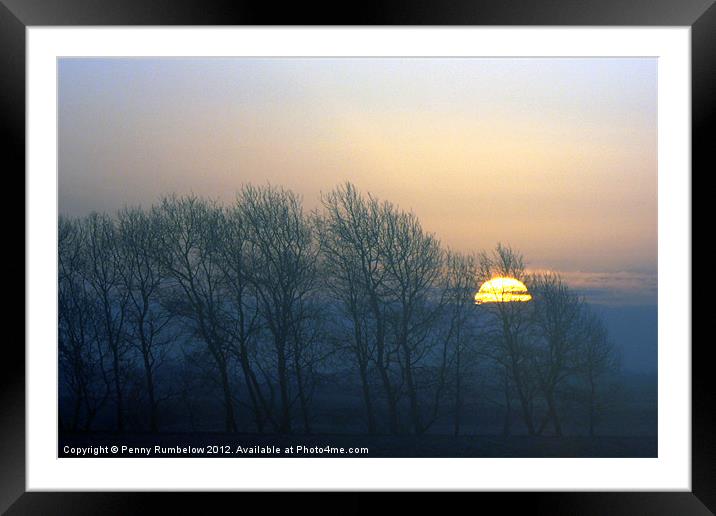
[[302, 398], [252, 389], [507, 428], [230, 421], [363, 369], [118, 390], [526, 413], [516, 376], [524, 402], [393, 420], [592, 411], [90, 417], [392, 404], [458, 393], [76, 412], [387, 387], [285, 421], [412, 394], [150, 392], [552, 408]]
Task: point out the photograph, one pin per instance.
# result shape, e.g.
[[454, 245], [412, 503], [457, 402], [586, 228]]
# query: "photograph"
[[358, 257]]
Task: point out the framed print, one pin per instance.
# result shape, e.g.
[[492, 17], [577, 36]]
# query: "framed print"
[[425, 252]]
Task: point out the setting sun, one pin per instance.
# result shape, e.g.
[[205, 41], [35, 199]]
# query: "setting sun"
[[502, 290]]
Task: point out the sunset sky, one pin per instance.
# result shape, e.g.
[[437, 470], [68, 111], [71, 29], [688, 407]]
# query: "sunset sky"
[[557, 157]]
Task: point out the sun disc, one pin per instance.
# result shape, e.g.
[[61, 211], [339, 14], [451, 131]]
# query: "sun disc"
[[502, 290]]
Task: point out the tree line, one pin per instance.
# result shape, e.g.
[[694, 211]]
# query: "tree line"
[[267, 299]]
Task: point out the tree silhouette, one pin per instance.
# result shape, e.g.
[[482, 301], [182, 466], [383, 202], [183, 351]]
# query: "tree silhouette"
[[558, 313], [283, 249], [256, 312], [189, 238], [512, 347]]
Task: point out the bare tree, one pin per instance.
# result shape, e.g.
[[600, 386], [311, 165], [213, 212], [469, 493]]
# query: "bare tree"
[[386, 273], [308, 353], [413, 261], [597, 358], [350, 253], [189, 248], [263, 295], [384, 270], [513, 349], [142, 277], [283, 251], [460, 285], [235, 263], [81, 356], [557, 312], [103, 272]]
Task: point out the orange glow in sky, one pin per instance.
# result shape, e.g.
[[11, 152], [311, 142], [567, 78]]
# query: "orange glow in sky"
[[556, 156]]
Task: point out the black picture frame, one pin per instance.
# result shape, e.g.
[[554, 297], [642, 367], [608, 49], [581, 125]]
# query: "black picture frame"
[[16, 15]]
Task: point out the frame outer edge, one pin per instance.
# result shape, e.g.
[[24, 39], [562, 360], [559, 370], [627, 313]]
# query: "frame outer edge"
[[12, 125], [12, 363], [703, 428]]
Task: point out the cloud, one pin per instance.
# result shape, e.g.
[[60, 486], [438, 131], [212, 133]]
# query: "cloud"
[[613, 288]]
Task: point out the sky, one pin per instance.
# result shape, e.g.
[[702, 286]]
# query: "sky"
[[556, 157]]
